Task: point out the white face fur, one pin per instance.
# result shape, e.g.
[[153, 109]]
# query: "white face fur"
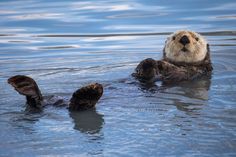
[[185, 46]]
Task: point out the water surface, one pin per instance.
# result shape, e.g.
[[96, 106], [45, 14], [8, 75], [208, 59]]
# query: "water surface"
[[66, 45]]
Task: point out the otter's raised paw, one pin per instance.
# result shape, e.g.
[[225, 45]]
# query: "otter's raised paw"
[[147, 70], [86, 97]]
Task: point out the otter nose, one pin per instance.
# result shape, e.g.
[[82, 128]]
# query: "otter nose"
[[184, 40]]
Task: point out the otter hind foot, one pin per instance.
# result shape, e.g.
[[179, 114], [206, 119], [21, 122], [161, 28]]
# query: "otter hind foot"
[[86, 97], [147, 71], [26, 86]]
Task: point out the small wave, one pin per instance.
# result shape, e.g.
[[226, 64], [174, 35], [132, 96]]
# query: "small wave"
[[59, 47]]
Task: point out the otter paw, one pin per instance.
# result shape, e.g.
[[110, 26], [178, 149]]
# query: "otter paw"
[[147, 70], [174, 76], [165, 67]]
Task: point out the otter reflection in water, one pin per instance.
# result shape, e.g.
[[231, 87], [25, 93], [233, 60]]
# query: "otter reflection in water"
[[88, 121], [187, 96], [194, 94]]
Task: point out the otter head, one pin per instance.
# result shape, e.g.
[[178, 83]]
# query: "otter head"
[[185, 47]]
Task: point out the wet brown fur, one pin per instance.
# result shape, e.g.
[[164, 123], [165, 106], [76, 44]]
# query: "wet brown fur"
[[84, 98], [147, 70], [180, 71], [28, 87], [168, 70]]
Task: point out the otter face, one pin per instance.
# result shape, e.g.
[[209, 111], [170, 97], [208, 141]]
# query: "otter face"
[[186, 47]]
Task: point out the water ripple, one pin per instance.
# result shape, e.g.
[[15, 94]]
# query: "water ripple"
[[69, 44]]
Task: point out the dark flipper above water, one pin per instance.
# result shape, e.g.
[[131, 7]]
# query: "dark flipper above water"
[[86, 97], [82, 99], [28, 87]]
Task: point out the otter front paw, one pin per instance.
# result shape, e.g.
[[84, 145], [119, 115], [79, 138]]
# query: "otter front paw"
[[165, 67], [175, 76], [147, 70]]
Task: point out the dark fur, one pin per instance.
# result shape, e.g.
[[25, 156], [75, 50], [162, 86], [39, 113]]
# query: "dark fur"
[[82, 99], [86, 97], [28, 87], [147, 70], [169, 71]]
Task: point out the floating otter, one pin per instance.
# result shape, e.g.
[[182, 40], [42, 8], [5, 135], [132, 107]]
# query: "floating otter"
[[82, 99], [186, 56]]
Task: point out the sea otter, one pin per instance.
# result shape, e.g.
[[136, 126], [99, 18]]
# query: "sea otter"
[[186, 56], [82, 99]]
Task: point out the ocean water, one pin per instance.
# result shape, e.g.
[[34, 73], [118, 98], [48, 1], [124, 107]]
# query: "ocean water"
[[65, 45]]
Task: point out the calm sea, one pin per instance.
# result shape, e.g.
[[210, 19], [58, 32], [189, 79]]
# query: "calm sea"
[[65, 45]]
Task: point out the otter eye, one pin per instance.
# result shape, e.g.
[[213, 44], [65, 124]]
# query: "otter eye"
[[173, 38], [197, 38]]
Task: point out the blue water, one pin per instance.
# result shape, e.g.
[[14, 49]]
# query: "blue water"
[[65, 45]]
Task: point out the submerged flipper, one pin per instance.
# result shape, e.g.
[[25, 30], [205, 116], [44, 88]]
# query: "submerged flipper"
[[26, 86], [86, 97]]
